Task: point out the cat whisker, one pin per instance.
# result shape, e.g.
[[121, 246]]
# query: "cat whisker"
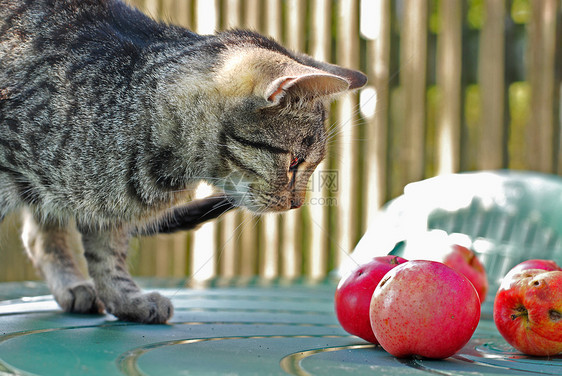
[[355, 113], [336, 136], [339, 126]]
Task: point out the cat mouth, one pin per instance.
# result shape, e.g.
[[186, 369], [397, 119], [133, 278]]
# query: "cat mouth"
[[259, 201], [265, 203], [283, 202]]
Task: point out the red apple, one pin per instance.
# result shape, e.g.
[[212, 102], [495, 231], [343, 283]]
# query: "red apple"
[[353, 295], [465, 261], [528, 311], [424, 308], [548, 265]]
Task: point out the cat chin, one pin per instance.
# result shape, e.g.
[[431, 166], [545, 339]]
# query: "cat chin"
[[265, 209], [271, 205]]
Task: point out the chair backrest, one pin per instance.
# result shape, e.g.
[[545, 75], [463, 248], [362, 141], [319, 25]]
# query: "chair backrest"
[[506, 216]]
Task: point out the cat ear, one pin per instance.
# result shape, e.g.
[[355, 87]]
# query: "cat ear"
[[355, 78], [314, 84], [272, 75]]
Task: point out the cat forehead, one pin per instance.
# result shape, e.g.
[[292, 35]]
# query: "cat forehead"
[[247, 70], [270, 61]]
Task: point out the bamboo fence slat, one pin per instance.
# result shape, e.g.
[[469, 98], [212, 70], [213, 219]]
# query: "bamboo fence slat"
[[448, 66], [378, 70], [491, 80], [409, 130], [453, 86], [540, 130]]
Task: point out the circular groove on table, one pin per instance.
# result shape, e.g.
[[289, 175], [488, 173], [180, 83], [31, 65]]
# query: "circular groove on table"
[[297, 336]]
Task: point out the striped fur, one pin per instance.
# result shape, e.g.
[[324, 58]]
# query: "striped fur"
[[108, 119]]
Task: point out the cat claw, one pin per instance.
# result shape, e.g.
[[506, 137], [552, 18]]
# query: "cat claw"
[[80, 298]]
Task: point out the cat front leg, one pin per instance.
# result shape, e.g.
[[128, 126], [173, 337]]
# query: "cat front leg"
[[106, 253], [49, 248]]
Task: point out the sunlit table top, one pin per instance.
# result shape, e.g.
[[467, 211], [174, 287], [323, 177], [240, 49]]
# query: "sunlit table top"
[[242, 327]]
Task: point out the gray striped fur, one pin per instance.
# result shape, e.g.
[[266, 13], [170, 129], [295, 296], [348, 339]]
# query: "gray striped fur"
[[108, 119]]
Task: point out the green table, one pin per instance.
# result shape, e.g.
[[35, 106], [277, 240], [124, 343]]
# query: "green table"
[[243, 328]]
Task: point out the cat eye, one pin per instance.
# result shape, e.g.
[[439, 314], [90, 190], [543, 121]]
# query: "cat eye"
[[295, 162]]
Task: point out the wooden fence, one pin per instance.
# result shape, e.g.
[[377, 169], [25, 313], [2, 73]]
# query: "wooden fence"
[[453, 86]]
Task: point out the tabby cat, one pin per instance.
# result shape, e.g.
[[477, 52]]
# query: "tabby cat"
[[109, 119]]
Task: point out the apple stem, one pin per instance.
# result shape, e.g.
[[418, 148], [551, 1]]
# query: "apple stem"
[[521, 311], [555, 315]]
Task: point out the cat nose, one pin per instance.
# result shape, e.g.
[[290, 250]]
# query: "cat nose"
[[296, 203]]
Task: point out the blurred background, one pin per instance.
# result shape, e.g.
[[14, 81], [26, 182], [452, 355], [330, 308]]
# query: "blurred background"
[[453, 86]]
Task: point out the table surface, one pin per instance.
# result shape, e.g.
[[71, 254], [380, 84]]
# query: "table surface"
[[234, 328]]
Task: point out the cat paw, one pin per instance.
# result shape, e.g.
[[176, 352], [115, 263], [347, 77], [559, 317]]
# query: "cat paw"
[[150, 308], [80, 298]]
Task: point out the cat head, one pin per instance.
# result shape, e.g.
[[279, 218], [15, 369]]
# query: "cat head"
[[272, 130]]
